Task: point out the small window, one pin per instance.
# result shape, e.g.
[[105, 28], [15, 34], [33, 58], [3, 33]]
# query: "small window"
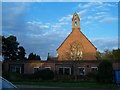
[[16, 68], [35, 69], [60, 71], [76, 22], [48, 68], [94, 69], [67, 71], [81, 71]]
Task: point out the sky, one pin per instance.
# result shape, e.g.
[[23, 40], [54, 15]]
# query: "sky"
[[41, 27]]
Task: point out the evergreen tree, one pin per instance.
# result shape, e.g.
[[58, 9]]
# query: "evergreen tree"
[[21, 53], [33, 57], [105, 72], [9, 48]]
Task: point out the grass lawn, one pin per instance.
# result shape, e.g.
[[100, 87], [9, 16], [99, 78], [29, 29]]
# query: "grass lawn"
[[66, 84]]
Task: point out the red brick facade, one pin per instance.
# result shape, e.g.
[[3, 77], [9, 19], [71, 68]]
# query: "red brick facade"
[[76, 41], [87, 48]]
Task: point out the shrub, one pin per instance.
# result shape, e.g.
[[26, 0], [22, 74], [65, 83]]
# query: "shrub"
[[105, 72], [44, 74], [28, 77], [90, 76], [11, 76]]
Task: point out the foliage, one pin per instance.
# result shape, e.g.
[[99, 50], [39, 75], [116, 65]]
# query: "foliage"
[[11, 76], [45, 74], [21, 53], [109, 55], [33, 57], [28, 77], [105, 72], [12, 51], [74, 52], [116, 54], [99, 55], [9, 48], [91, 76]]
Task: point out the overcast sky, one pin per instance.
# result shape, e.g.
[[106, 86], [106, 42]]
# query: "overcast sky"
[[40, 27]]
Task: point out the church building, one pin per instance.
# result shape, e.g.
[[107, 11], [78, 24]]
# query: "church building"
[[76, 46], [76, 51]]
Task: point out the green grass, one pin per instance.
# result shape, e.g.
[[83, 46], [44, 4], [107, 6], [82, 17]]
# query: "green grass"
[[66, 84]]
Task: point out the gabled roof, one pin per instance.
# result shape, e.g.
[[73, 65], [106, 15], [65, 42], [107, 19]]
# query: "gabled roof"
[[64, 41], [70, 34]]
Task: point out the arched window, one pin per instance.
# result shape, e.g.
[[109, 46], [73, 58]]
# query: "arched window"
[[76, 51], [75, 22]]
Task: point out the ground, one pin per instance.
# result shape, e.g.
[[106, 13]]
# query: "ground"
[[67, 85], [61, 88]]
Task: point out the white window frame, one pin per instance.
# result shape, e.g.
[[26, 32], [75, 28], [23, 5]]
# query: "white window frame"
[[94, 68], [83, 70], [14, 69], [34, 68], [48, 67]]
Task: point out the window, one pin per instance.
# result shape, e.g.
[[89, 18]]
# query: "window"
[[64, 71], [35, 69], [81, 71], [16, 68], [76, 22], [60, 71], [48, 68], [12, 69], [94, 69], [67, 71]]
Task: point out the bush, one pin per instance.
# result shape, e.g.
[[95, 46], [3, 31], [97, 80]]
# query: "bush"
[[44, 74], [91, 76], [105, 72], [11, 76], [28, 77]]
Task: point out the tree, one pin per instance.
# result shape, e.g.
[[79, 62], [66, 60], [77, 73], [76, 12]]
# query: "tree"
[[9, 48], [75, 54], [105, 72], [33, 57], [21, 53], [116, 54], [111, 55], [107, 55], [99, 55]]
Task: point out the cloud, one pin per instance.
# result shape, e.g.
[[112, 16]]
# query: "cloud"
[[13, 15], [108, 19], [44, 37], [103, 44], [102, 13], [41, 38], [65, 18], [82, 12], [36, 27]]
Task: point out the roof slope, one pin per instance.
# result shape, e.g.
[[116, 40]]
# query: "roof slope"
[[83, 36]]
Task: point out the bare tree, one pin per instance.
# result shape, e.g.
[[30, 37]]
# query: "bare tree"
[[75, 53]]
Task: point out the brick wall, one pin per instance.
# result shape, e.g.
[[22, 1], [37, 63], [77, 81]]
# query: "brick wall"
[[89, 51]]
